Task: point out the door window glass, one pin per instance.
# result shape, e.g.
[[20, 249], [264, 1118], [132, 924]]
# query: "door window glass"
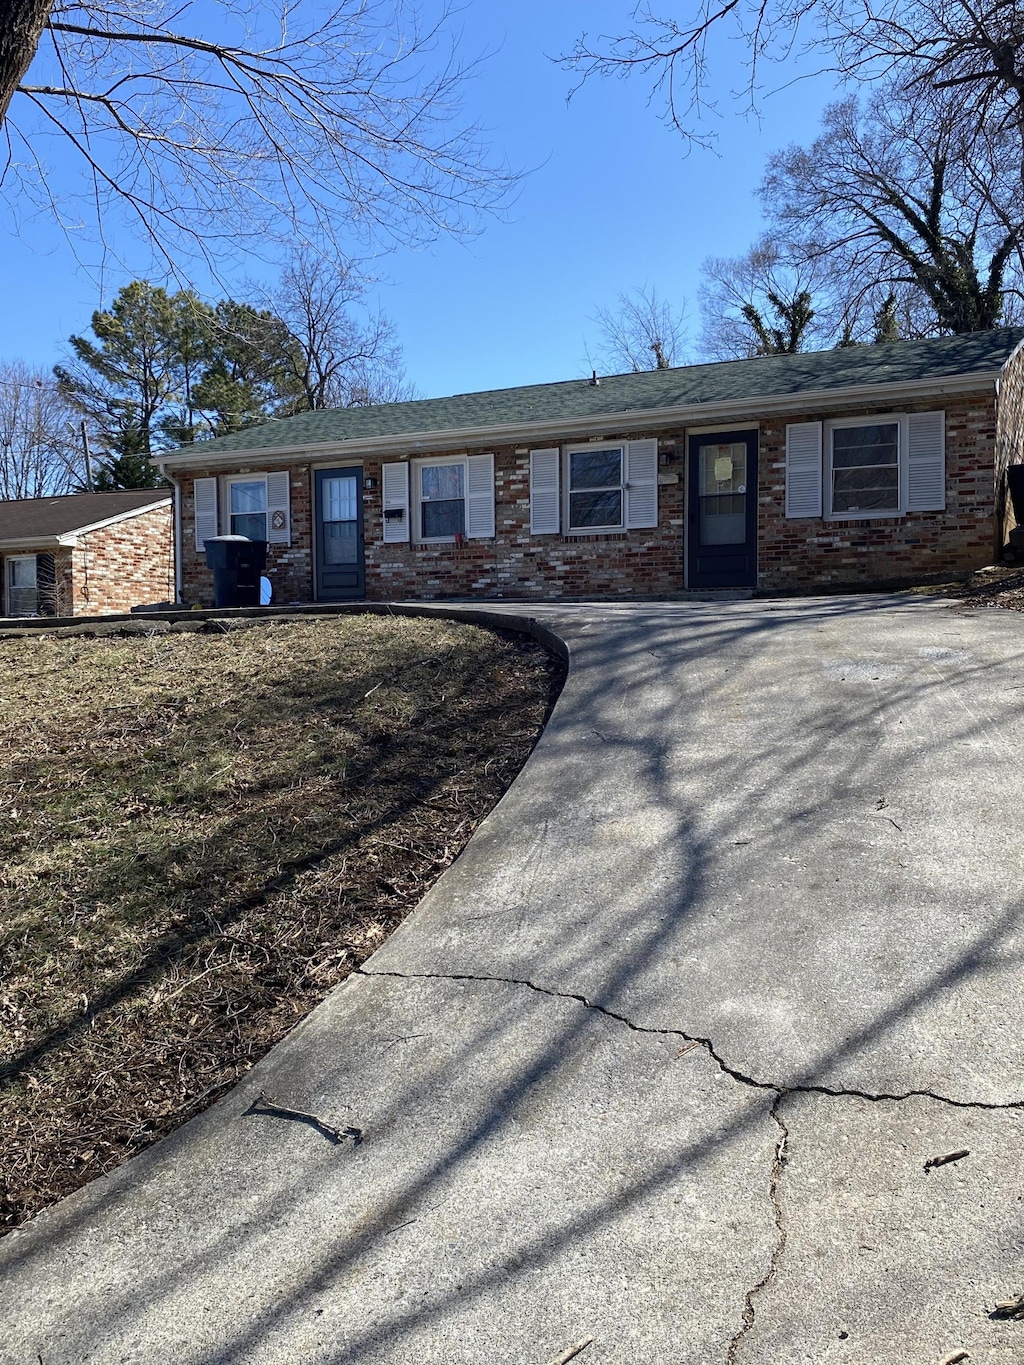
[[722, 484], [339, 498], [341, 542]]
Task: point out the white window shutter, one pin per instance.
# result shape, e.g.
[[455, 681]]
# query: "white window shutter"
[[279, 520], [803, 469], [926, 462], [480, 497], [395, 499], [205, 494], [544, 508], [641, 479]]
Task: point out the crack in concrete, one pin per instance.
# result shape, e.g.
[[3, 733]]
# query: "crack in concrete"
[[778, 1088], [778, 1165]]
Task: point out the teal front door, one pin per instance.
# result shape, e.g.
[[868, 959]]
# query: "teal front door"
[[340, 570]]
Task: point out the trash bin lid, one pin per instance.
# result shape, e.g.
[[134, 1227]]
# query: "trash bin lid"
[[217, 540]]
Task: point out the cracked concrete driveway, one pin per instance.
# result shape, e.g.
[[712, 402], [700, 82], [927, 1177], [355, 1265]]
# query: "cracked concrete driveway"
[[658, 1062]]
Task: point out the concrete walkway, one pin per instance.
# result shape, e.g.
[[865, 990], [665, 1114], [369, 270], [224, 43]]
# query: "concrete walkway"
[[659, 1062]]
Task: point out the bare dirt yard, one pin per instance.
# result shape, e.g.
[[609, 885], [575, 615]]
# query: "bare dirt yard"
[[201, 834]]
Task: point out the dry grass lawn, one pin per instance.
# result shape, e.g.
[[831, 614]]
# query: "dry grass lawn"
[[201, 834]]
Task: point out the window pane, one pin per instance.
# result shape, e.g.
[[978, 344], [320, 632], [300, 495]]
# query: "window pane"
[[341, 542], [23, 572], [595, 469], [249, 497], [595, 509], [853, 480], [443, 518], [868, 445], [879, 500], [253, 525], [339, 499], [441, 481]]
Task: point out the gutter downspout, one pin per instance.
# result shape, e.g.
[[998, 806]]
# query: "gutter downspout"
[[176, 486]]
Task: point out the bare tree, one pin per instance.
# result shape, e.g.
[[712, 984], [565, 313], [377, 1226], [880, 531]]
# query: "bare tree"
[[337, 355], [218, 128], [763, 302], [903, 193], [976, 49], [642, 332], [39, 453]]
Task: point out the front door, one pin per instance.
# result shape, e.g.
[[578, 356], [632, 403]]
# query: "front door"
[[340, 571], [722, 531]]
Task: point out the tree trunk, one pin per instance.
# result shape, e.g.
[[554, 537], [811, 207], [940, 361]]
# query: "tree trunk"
[[20, 30]]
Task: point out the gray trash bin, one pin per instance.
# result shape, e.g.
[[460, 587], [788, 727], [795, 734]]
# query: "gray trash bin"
[[237, 563]]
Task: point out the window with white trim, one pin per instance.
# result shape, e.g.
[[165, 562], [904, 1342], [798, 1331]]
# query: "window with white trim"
[[439, 495], [595, 483], [864, 468], [247, 507]]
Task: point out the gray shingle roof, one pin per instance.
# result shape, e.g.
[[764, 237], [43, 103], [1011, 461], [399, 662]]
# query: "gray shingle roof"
[[27, 518], [724, 381]]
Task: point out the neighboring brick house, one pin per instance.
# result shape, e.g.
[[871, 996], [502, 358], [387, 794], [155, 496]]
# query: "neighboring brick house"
[[840, 467], [86, 554]]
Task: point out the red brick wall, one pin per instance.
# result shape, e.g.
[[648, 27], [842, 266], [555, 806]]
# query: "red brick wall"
[[791, 554], [808, 552], [125, 565], [516, 564], [289, 567]]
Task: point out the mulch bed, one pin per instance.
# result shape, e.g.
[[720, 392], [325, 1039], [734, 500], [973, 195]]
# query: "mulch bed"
[[996, 587], [201, 835]]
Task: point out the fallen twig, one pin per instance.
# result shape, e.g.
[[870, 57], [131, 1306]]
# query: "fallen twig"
[[1009, 1308], [265, 1104], [571, 1352], [934, 1161], [955, 1358]]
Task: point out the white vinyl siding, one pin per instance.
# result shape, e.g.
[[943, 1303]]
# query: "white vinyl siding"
[[205, 494], [545, 514], [395, 502]]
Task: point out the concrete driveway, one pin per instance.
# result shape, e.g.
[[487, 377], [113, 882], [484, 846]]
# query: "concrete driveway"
[[659, 1062]]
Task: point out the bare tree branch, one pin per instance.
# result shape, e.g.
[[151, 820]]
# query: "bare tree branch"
[[253, 123]]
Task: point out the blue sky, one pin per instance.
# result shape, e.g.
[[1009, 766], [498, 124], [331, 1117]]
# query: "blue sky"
[[613, 202]]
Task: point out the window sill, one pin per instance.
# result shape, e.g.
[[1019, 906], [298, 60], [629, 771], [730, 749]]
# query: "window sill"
[[835, 517], [589, 532]]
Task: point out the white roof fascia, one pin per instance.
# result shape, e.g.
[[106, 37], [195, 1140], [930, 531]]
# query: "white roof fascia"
[[31, 542], [749, 408], [164, 501]]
